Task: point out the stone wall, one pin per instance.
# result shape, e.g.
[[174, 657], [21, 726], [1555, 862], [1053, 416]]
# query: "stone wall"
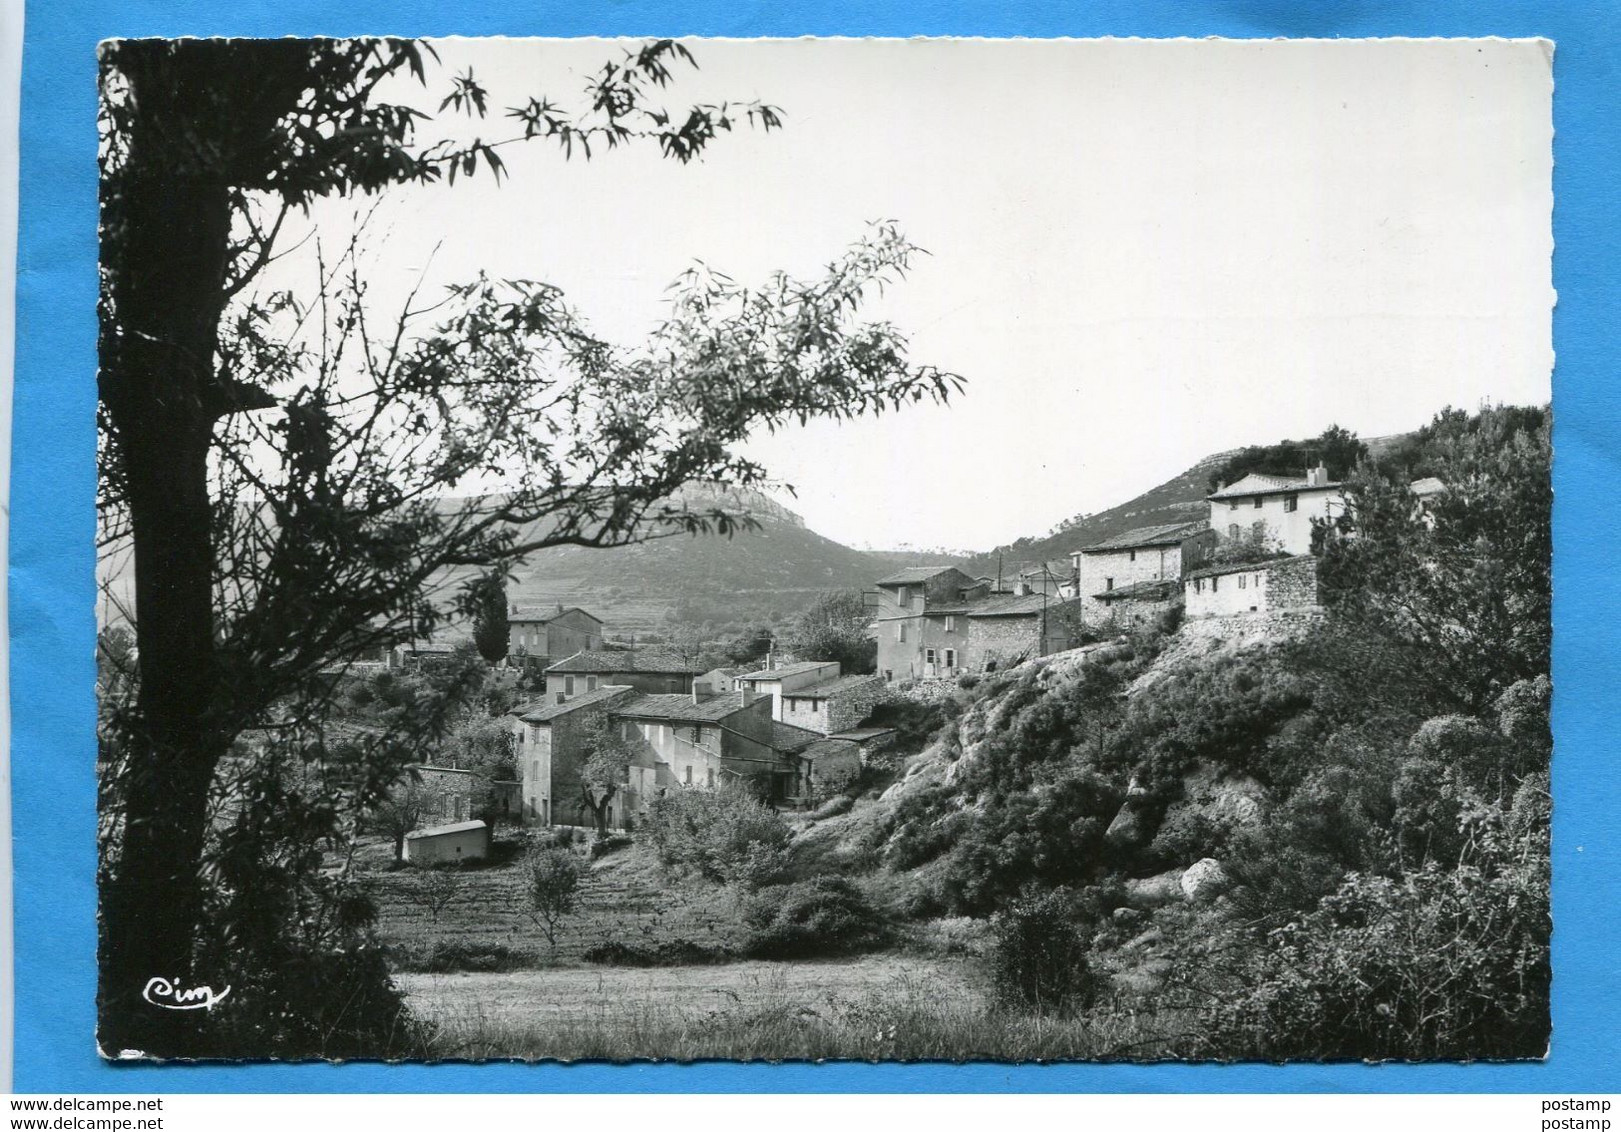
[[1292, 584]]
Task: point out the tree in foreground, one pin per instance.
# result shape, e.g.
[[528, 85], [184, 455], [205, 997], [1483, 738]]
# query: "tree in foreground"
[[277, 462]]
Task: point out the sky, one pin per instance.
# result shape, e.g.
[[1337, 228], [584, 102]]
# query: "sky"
[[1141, 252]]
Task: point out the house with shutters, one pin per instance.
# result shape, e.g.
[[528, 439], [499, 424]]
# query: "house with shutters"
[[550, 635], [935, 621], [1275, 512], [689, 740], [1278, 585], [1138, 573], [655, 671]]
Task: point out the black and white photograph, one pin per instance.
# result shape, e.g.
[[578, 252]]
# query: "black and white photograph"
[[824, 549]]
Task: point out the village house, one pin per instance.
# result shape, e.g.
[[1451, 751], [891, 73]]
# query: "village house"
[[560, 633], [937, 621], [717, 681], [685, 740], [454, 791], [1139, 573], [815, 694], [549, 747], [1275, 512], [655, 671], [1281, 585]]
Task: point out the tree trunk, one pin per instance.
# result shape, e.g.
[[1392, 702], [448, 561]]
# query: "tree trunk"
[[159, 389]]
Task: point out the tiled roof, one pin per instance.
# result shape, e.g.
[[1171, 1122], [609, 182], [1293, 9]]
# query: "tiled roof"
[[1165, 534], [543, 618], [1153, 590], [911, 575], [640, 660], [680, 708], [1258, 484], [1012, 606], [830, 687], [785, 670], [830, 746], [863, 734], [788, 739], [1242, 567], [543, 711], [1429, 485]]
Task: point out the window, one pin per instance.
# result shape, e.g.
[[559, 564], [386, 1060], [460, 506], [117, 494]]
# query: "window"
[[522, 731], [1108, 584], [900, 632], [951, 624], [1232, 505], [698, 736], [1232, 530], [590, 683], [710, 775], [689, 774], [1259, 527], [928, 656], [1291, 502], [951, 658], [568, 685], [1257, 501], [1198, 585], [1215, 584], [1242, 581], [1132, 556]]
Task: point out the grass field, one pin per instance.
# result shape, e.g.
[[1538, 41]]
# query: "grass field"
[[874, 1008], [924, 1000], [623, 898]]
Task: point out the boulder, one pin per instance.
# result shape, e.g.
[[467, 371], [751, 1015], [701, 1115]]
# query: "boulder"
[[1130, 828], [1205, 880], [1155, 891]]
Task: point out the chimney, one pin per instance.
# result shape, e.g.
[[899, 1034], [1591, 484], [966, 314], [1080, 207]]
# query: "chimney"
[[770, 659], [1317, 476], [559, 607]]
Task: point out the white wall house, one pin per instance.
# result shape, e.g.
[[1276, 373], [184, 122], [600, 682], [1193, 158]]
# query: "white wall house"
[[1275, 511], [463, 841]]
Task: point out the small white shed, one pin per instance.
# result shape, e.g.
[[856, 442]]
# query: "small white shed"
[[463, 841]]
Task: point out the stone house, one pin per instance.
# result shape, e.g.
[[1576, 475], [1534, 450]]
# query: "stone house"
[[717, 681], [560, 633], [654, 671], [935, 621], [453, 791], [1275, 512], [816, 695], [1138, 573], [549, 749], [1282, 585], [678, 740]]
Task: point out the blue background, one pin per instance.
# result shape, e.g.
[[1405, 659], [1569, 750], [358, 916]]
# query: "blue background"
[[53, 486]]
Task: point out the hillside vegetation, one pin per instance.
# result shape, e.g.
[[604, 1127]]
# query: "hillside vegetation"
[[1321, 837]]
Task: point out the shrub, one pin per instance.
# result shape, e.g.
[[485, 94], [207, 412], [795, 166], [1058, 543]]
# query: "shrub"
[[1430, 964], [1038, 956], [825, 916], [675, 953], [727, 835], [447, 956]]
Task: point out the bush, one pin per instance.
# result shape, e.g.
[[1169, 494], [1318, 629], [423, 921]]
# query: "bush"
[[727, 835], [446, 956], [1038, 956], [1432, 964], [675, 953], [808, 919]]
